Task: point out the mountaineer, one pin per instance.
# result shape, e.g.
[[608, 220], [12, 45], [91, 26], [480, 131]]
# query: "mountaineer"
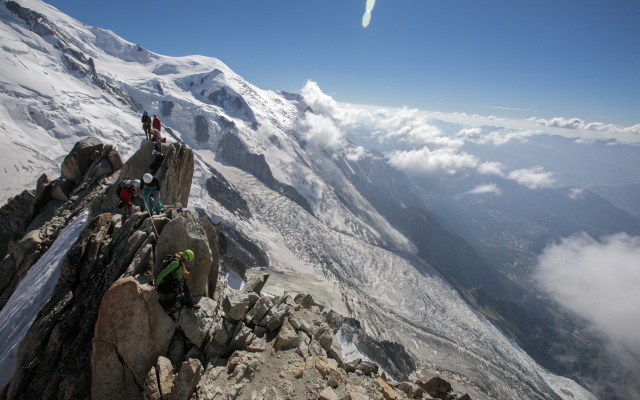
[[146, 125], [174, 278], [156, 124], [157, 161], [126, 193], [151, 193]]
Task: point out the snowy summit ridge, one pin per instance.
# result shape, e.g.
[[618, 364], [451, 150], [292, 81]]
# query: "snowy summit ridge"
[[306, 221]]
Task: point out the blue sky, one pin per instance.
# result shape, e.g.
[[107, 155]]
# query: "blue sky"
[[514, 59]]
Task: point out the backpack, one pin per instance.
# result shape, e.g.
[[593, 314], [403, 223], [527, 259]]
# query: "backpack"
[[166, 260]]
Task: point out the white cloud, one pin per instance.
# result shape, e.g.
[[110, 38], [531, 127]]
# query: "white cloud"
[[355, 153], [438, 161], [410, 126], [497, 136], [491, 168], [321, 130], [319, 102], [533, 178], [472, 134], [577, 123], [599, 280], [576, 194], [483, 189]]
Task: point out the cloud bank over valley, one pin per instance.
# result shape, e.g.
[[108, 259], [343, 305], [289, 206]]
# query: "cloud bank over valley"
[[420, 142]]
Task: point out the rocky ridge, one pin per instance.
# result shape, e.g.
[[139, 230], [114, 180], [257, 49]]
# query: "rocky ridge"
[[104, 334]]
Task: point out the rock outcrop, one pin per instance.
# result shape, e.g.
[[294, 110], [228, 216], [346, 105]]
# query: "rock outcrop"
[[181, 233], [131, 332], [14, 216], [85, 180], [103, 334], [175, 174], [106, 251]]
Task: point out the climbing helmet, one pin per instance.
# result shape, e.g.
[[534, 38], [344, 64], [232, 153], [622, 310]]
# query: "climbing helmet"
[[188, 255]]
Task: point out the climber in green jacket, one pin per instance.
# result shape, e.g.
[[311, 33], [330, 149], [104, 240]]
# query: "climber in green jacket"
[[174, 276]]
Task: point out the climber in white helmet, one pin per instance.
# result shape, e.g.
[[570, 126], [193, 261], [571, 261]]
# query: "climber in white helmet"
[[151, 193]]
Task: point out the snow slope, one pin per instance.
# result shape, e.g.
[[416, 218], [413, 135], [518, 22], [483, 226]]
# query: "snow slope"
[[31, 295]]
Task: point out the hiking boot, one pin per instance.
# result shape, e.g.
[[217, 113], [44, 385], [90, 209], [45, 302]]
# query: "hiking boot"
[[172, 309], [193, 307]]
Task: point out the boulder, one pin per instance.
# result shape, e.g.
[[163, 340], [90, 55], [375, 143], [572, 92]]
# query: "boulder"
[[196, 325], [331, 345], [151, 389], [287, 337], [242, 337], [236, 304], [437, 387], [213, 238], [258, 311], [78, 161], [186, 381], [131, 332], [182, 233], [255, 283], [164, 369], [242, 365], [61, 188], [328, 394], [387, 391], [114, 158], [275, 317], [411, 389], [322, 365], [176, 350]]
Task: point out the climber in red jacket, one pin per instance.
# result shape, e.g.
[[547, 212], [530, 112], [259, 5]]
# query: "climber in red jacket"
[[156, 123]]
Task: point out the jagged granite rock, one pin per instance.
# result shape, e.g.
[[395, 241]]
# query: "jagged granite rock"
[[236, 304], [175, 175], [437, 387], [131, 332], [48, 217], [164, 368], [184, 232], [78, 161], [255, 283], [196, 326], [63, 331], [107, 335], [213, 238], [151, 388], [185, 382], [13, 220]]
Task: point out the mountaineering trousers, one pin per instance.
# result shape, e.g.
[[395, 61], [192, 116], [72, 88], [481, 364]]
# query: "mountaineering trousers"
[[147, 127], [172, 286], [149, 194]]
